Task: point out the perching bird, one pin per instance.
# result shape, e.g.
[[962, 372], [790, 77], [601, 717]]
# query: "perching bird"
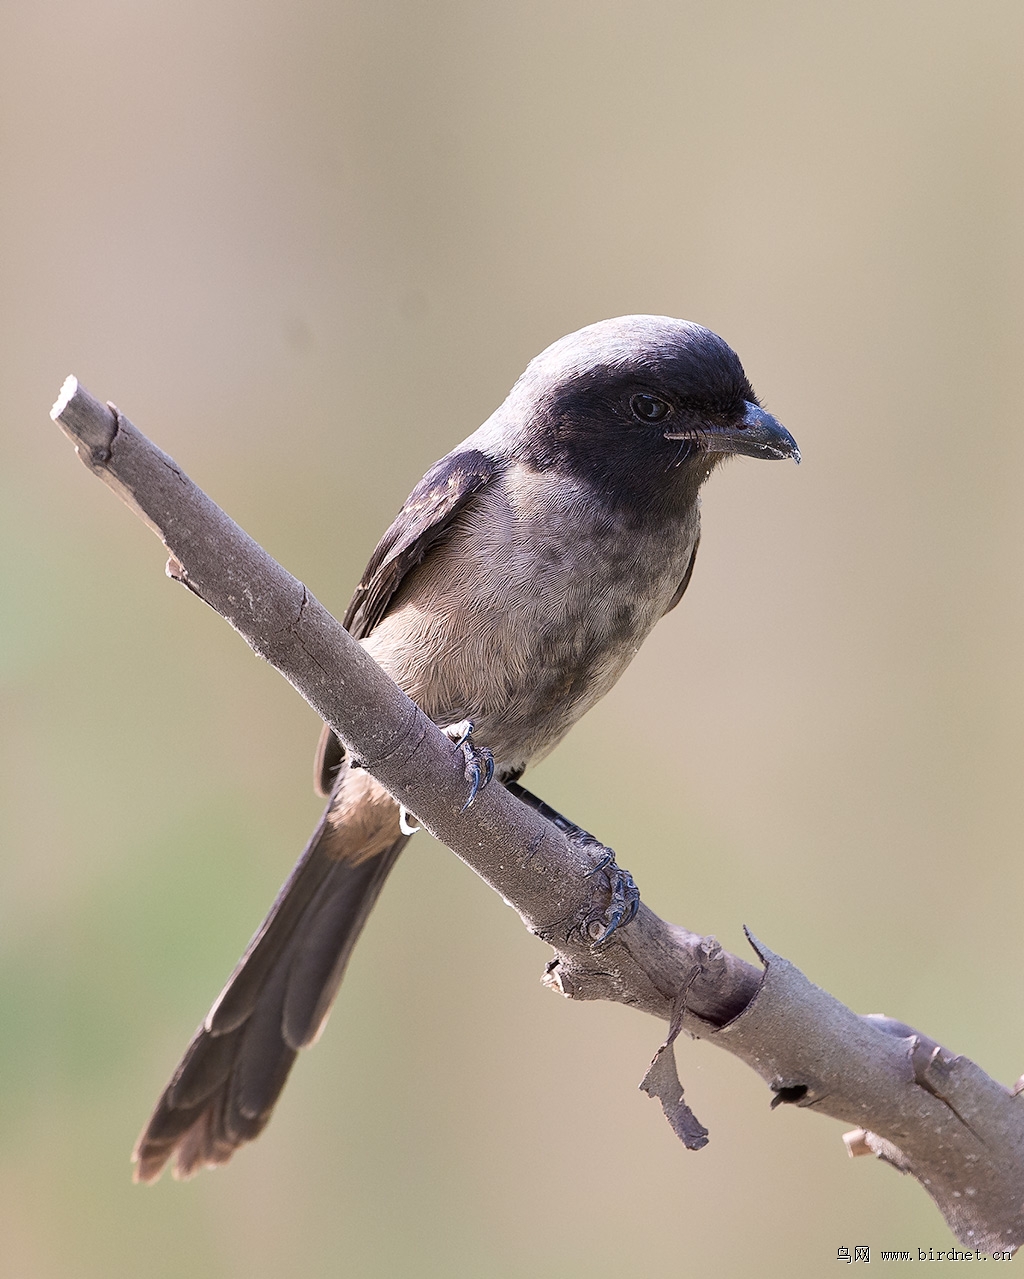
[[513, 589]]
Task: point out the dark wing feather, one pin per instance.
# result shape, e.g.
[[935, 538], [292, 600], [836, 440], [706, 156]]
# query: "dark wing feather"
[[427, 514], [686, 579]]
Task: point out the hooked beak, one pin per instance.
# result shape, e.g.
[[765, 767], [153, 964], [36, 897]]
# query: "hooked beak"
[[756, 434]]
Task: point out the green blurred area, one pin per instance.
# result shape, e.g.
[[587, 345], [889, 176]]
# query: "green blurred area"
[[307, 248]]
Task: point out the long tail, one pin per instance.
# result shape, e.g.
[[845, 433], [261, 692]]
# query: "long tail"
[[277, 999]]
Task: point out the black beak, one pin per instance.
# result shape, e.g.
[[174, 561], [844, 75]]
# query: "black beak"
[[756, 434]]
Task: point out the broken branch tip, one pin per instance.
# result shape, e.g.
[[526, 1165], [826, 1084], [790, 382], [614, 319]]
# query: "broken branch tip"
[[67, 393]]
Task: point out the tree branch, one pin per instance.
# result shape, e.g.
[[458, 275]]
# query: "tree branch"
[[925, 1111]]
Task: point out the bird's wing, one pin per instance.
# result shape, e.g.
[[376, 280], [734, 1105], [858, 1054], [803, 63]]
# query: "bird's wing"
[[427, 514], [428, 511], [686, 579]]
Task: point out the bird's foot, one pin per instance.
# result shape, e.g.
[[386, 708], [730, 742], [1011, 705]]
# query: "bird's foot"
[[617, 904], [479, 762], [618, 900]]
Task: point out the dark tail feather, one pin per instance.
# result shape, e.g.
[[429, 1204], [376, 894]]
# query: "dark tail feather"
[[274, 1003]]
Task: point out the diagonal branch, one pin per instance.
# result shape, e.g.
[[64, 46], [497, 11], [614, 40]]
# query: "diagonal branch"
[[927, 1112]]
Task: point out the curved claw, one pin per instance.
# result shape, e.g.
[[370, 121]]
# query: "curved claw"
[[623, 904], [407, 823], [603, 864], [479, 771], [479, 763]]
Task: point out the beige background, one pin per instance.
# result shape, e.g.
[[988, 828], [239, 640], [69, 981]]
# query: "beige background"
[[307, 248]]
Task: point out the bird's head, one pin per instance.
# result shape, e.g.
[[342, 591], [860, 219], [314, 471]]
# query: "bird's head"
[[642, 395]]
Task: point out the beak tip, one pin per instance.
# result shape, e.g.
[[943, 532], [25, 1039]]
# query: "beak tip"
[[769, 433]]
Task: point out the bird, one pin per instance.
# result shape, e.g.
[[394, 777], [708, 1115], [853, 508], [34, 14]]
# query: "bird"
[[512, 590]]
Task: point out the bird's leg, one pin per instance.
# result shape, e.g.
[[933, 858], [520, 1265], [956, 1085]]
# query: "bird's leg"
[[623, 894], [479, 762]]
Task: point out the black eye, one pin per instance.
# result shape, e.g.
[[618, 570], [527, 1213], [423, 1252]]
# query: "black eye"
[[648, 408]]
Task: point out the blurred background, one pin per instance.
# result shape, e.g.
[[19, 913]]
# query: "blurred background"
[[307, 248]]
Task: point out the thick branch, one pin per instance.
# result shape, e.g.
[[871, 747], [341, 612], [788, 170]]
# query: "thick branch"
[[927, 1112]]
